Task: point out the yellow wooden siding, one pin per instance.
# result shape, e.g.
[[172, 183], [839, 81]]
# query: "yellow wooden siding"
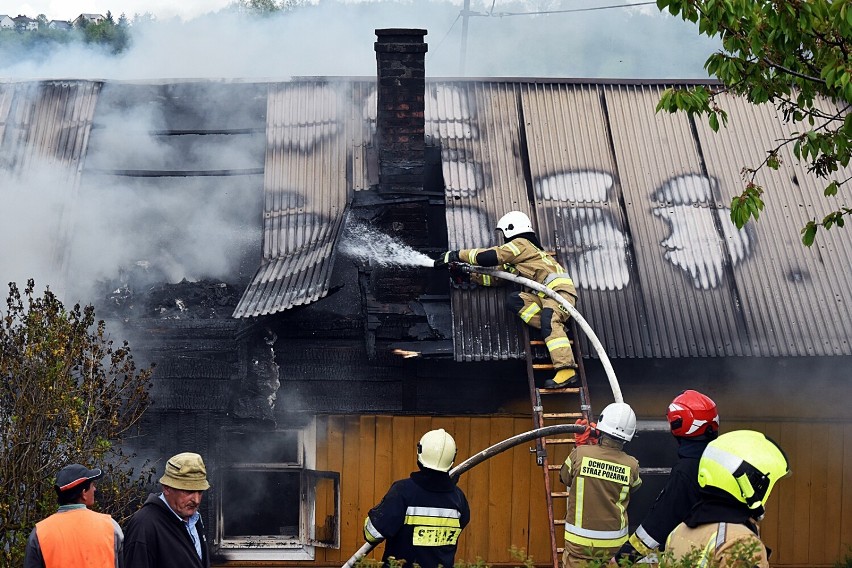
[[506, 493], [809, 515], [808, 520]]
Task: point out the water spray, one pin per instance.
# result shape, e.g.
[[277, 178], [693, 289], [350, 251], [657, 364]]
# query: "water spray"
[[367, 244]]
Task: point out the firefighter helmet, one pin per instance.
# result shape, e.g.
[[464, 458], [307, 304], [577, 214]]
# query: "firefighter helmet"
[[436, 450], [692, 414], [514, 223], [744, 464], [618, 420]]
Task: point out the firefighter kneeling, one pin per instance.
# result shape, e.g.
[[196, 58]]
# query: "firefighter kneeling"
[[601, 478]]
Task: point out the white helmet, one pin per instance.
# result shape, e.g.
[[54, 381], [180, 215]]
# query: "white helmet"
[[436, 450], [618, 420], [514, 223]]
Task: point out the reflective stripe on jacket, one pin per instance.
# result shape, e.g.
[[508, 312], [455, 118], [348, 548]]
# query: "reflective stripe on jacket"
[[601, 478], [718, 544], [421, 519], [520, 256]]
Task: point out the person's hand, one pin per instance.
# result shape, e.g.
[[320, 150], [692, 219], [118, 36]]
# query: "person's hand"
[[458, 275], [587, 436], [445, 258]]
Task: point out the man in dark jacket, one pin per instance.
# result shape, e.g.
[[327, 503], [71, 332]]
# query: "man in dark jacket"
[[167, 531], [694, 423], [422, 517]]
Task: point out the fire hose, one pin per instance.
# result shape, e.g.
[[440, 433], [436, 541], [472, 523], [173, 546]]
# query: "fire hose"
[[581, 321], [480, 457]]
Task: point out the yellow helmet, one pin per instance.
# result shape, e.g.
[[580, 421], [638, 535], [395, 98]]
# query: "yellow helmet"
[[744, 464], [436, 450]]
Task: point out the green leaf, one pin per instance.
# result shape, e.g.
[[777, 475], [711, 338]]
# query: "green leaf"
[[808, 234], [714, 122], [830, 189]]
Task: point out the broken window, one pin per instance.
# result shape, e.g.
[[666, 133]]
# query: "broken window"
[[271, 504]]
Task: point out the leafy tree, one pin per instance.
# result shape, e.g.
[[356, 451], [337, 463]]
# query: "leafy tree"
[[67, 394], [256, 7], [794, 55], [42, 21]]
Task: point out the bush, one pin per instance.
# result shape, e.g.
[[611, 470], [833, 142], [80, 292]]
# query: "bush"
[[67, 395]]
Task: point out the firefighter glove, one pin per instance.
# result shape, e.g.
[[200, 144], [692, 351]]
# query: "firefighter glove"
[[587, 436], [446, 258], [458, 275]]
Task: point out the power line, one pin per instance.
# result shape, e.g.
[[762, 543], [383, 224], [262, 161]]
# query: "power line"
[[493, 14]]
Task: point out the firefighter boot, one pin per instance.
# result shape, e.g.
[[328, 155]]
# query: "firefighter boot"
[[564, 378]]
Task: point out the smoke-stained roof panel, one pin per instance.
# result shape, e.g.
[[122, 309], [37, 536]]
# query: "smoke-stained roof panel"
[[636, 204], [306, 194], [578, 210], [46, 122], [476, 126], [790, 293]]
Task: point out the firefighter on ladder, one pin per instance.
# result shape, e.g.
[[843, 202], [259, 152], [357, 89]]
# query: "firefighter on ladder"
[[421, 517], [600, 478], [694, 422], [522, 254], [736, 473]]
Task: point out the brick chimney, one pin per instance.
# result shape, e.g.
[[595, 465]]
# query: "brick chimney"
[[400, 122]]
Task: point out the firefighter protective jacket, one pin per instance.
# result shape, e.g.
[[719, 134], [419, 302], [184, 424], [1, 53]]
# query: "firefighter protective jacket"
[[74, 537], [601, 478], [519, 256], [420, 518], [673, 504], [719, 529], [718, 544]]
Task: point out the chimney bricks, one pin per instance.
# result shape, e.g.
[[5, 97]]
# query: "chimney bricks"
[[400, 119]]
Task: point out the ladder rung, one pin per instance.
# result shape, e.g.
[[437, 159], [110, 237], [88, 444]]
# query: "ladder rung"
[[569, 390], [536, 342], [559, 522], [550, 441], [560, 493], [554, 467], [560, 550], [542, 366], [554, 415]]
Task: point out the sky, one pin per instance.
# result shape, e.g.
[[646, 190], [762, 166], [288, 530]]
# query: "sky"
[[70, 9]]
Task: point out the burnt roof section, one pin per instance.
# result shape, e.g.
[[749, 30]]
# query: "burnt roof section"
[[311, 150], [635, 203]]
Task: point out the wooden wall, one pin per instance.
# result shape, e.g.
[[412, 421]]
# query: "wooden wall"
[[808, 521]]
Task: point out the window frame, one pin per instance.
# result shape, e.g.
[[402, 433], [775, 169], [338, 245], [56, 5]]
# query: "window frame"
[[272, 547]]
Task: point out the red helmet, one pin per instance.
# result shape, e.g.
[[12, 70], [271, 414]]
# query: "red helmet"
[[692, 414]]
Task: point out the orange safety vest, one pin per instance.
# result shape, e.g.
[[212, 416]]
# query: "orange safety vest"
[[78, 538]]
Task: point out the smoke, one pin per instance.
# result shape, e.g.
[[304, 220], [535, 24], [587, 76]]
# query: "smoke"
[[171, 228], [334, 38]]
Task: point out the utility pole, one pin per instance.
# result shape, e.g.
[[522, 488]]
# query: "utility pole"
[[465, 15]]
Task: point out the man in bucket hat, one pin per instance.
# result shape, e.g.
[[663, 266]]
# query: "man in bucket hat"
[[167, 531], [74, 536]]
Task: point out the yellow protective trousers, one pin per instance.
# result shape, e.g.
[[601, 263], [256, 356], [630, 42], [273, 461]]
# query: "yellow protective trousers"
[[550, 317]]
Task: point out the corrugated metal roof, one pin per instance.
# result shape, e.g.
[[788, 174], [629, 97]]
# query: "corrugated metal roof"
[[636, 205], [309, 147], [476, 126], [46, 122]]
